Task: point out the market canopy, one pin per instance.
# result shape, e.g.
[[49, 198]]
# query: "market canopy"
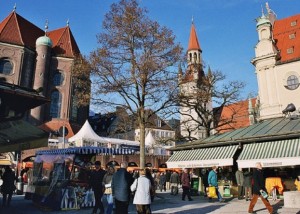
[[271, 154], [204, 157], [20, 135], [87, 150]]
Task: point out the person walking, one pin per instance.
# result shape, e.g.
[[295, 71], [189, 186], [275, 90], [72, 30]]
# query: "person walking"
[[96, 179], [120, 185], [248, 185], [186, 185], [142, 196], [162, 182], [8, 186], [107, 179], [153, 188], [168, 176], [174, 182], [239, 175], [204, 176], [213, 181], [258, 188]]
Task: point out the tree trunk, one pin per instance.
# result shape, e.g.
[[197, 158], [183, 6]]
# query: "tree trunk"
[[142, 145]]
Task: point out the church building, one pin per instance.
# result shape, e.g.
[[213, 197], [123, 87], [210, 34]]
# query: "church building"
[[42, 60], [277, 63]]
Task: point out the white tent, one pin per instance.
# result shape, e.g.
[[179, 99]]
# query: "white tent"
[[86, 133], [149, 140]]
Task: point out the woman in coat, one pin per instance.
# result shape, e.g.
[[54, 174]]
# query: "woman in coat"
[[213, 181], [107, 179], [8, 186], [142, 197]]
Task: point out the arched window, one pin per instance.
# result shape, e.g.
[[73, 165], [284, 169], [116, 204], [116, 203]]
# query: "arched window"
[[195, 57], [58, 78], [6, 67], [55, 104], [190, 57]]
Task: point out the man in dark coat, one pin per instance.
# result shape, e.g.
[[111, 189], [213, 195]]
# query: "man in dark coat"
[[258, 187], [186, 185], [96, 178], [8, 186], [168, 176], [120, 185]]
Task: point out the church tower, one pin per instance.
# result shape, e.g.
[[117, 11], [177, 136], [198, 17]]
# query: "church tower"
[[276, 63], [188, 84], [41, 77]]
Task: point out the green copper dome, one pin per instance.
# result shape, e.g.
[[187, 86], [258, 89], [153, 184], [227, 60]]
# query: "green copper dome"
[[262, 20], [44, 40]]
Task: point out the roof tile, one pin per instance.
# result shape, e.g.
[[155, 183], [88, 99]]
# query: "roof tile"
[[282, 31]]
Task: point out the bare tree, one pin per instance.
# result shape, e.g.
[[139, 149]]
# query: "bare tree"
[[132, 67], [211, 88]]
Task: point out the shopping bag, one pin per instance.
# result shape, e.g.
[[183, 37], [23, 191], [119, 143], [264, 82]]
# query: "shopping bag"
[[212, 193]]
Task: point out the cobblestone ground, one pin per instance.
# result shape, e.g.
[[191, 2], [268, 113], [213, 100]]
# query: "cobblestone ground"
[[164, 203]]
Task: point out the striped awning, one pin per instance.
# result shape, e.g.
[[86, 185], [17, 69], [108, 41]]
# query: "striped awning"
[[88, 150], [271, 154], [204, 157], [5, 162]]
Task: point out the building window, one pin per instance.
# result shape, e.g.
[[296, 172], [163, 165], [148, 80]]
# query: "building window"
[[292, 82], [293, 23], [58, 78], [290, 50], [292, 36], [55, 107], [158, 123], [6, 67]]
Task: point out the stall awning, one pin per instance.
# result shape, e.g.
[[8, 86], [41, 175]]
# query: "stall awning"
[[20, 135], [205, 157], [87, 150], [271, 154], [5, 162]]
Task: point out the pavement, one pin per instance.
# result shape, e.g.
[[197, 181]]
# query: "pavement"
[[164, 203]]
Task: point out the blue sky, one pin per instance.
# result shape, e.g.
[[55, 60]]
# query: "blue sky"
[[226, 28]]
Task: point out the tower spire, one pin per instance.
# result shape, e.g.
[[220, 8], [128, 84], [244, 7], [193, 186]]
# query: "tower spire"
[[15, 7], [46, 27], [193, 41], [68, 22]]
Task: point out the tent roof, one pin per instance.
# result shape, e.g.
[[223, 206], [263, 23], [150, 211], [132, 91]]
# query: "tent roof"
[[86, 133], [149, 140]]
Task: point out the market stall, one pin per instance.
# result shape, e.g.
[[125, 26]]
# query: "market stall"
[[60, 178]]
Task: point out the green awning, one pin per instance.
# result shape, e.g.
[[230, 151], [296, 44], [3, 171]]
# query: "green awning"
[[205, 157], [271, 153], [19, 135]]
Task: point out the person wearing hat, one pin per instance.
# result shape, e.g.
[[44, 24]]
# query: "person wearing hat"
[[96, 179]]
